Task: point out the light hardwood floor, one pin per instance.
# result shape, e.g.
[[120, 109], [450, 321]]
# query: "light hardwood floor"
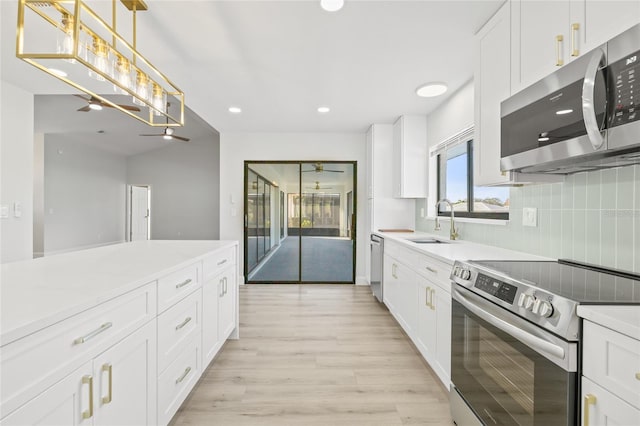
[[316, 355]]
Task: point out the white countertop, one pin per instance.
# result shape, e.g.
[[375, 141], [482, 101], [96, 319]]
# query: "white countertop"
[[456, 250], [624, 319], [37, 293]]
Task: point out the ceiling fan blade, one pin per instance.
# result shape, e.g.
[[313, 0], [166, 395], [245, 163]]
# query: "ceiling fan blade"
[[85, 108], [333, 171], [308, 171], [127, 107], [82, 97], [180, 138], [152, 134]]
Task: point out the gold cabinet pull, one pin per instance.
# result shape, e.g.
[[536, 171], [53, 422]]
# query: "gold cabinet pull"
[[183, 323], [427, 292], [181, 378], [638, 376], [183, 283], [559, 61], [575, 28], [109, 369], [394, 268], [433, 294], [589, 399], [104, 327], [430, 269], [221, 282], [222, 262], [88, 380]]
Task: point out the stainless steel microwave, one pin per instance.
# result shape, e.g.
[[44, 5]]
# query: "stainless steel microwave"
[[582, 117]]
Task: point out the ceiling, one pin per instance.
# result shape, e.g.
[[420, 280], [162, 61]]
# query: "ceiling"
[[280, 60], [287, 175]]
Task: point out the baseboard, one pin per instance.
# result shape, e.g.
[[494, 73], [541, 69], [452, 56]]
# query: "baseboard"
[[362, 281]]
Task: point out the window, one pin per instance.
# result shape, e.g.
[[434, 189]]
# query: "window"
[[455, 183], [320, 213]]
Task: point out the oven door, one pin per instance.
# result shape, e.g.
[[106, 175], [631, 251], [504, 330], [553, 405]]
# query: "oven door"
[[509, 371]]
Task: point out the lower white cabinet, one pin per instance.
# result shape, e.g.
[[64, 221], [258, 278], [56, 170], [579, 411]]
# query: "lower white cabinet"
[[600, 407], [219, 307], [227, 303], [416, 295], [118, 387]]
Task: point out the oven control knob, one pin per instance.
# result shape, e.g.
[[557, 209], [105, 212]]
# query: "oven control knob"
[[543, 308], [456, 271], [529, 302], [465, 274]]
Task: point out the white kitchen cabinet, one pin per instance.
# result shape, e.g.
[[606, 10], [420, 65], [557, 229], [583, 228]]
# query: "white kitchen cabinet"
[[492, 84], [602, 408], [121, 381], [211, 341], [549, 34], [228, 293], [410, 157], [400, 294], [391, 283], [427, 321]]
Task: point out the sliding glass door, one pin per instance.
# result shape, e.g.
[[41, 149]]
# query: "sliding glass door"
[[299, 222]]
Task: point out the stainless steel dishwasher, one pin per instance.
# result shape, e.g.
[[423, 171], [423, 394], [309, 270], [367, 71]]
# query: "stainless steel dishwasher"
[[377, 252]]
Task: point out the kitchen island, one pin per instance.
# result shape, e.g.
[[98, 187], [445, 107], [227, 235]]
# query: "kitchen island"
[[119, 333]]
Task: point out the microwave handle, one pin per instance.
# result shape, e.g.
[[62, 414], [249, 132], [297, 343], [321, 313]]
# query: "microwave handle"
[[598, 59]]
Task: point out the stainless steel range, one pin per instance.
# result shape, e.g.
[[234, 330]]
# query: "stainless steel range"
[[515, 351]]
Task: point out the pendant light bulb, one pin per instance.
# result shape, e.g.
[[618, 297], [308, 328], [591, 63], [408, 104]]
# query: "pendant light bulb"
[[100, 58], [65, 41], [159, 100], [122, 74], [142, 88]]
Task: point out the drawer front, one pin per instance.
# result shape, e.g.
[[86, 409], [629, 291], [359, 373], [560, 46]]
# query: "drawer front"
[[217, 262], [35, 362], [177, 325], [604, 408], [175, 383], [176, 286], [435, 271], [613, 361]]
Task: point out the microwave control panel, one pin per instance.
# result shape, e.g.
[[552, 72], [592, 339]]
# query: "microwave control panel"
[[625, 92]]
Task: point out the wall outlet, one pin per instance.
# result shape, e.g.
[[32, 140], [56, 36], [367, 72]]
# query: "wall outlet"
[[530, 216], [421, 211]]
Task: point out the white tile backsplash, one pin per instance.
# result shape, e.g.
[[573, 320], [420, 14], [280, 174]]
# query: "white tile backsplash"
[[592, 217]]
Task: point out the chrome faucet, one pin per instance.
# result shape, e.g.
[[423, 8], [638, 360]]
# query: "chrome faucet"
[[453, 234]]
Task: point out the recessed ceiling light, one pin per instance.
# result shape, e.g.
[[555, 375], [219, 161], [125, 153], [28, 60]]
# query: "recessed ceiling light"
[[58, 72], [235, 110], [564, 111], [331, 5], [430, 90], [323, 109]]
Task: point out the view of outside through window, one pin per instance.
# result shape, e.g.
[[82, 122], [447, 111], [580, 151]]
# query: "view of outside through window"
[[454, 181], [320, 212]]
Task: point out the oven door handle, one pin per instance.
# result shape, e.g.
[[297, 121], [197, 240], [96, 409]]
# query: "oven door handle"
[[535, 342]]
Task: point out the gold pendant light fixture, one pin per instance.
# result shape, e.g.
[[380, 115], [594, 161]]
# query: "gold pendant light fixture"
[[72, 42]]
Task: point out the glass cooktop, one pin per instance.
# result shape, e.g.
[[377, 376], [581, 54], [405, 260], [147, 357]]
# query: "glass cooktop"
[[586, 284]]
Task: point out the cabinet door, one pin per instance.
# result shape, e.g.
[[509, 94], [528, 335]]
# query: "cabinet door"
[[227, 303], [604, 408], [210, 338], [442, 307], [537, 26], [410, 157], [407, 308], [426, 321], [125, 382], [389, 282], [62, 404], [603, 20], [492, 86]]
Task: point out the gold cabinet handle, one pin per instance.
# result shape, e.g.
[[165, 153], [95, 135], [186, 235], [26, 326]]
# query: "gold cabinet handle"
[[183, 283], [433, 294], [222, 262], [181, 378], [224, 280], [430, 269], [88, 380], [221, 282], [109, 369], [104, 327], [638, 376], [183, 323], [575, 28], [559, 61], [589, 399], [427, 292]]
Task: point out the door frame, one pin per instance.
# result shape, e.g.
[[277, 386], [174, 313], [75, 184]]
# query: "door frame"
[[129, 212], [300, 163]]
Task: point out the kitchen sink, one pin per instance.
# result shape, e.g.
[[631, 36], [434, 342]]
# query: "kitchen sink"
[[428, 241]]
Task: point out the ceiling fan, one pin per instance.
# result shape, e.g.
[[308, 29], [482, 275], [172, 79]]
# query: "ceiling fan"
[[318, 187], [319, 168], [168, 132], [96, 104]]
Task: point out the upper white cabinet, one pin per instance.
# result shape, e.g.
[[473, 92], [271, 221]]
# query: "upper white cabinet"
[[492, 86], [410, 157], [549, 34]]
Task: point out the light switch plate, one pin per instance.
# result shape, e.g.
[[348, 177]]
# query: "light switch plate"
[[4, 211], [17, 209], [530, 216]]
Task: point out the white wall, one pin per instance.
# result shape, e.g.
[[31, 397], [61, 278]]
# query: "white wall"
[[235, 148], [453, 115], [184, 188], [84, 195], [16, 180]]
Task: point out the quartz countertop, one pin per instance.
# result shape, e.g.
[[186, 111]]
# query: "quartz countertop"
[[450, 251], [39, 292], [624, 319]]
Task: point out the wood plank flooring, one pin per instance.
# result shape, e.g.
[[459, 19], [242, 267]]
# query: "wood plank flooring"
[[316, 355]]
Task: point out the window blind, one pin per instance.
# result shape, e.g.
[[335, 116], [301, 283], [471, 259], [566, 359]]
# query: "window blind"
[[461, 137]]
